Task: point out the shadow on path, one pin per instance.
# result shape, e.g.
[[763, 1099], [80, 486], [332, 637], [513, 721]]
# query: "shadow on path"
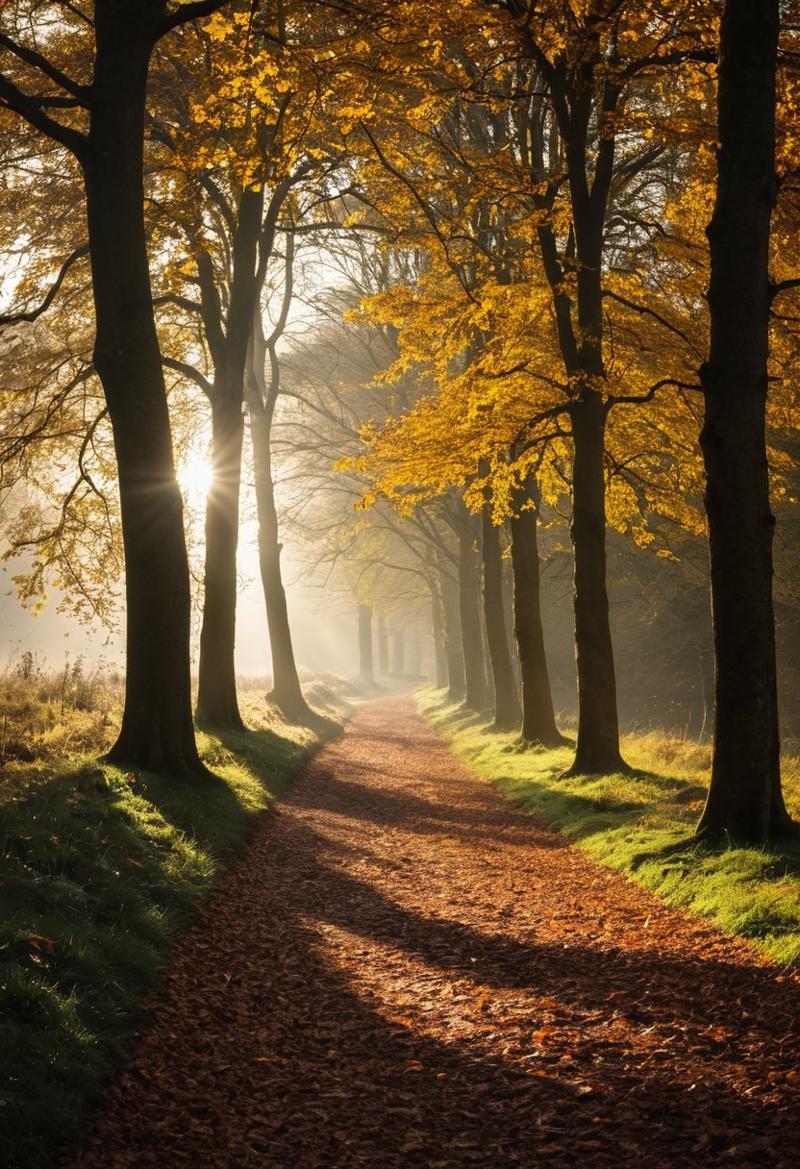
[[404, 971]]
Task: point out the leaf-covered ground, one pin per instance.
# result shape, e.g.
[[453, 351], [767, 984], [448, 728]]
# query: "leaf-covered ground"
[[404, 970]]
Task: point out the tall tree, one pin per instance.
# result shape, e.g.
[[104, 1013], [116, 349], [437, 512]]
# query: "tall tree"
[[157, 730], [744, 799], [263, 391]]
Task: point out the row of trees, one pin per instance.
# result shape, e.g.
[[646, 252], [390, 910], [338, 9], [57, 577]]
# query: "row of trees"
[[510, 199]]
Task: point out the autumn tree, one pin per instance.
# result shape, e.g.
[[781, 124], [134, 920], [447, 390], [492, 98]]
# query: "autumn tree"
[[744, 799], [102, 127]]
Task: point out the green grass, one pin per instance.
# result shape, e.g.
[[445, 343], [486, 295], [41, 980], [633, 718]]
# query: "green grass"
[[98, 870], [643, 824]]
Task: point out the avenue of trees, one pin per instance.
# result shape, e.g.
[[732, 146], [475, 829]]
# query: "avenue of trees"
[[446, 283]]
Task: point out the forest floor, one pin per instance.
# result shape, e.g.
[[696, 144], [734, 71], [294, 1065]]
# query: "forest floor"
[[405, 969]]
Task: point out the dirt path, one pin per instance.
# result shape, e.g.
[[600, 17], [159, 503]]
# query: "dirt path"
[[405, 971]]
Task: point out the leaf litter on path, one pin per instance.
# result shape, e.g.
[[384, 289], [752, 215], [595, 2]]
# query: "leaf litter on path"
[[404, 970]]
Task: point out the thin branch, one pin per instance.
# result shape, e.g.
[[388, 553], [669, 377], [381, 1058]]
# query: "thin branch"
[[644, 311], [652, 391], [32, 314]]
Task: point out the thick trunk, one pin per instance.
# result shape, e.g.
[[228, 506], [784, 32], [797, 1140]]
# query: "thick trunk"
[[598, 727], [217, 703], [744, 799], [383, 647], [365, 667], [538, 717], [438, 634], [507, 711], [286, 692], [476, 695], [157, 731]]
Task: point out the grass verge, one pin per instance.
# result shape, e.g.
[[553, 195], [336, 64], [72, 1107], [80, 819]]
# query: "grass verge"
[[98, 870], [636, 823]]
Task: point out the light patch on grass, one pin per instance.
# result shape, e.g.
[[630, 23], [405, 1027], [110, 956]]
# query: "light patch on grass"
[[634, 822]]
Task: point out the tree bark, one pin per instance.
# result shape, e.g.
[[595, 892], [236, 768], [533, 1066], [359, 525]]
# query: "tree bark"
[[438, 634], [538, 716], [508, 614], [365, 667], [286, 692], [597, 750], [507, 711], [476, 695], [744, 799], [456, 682], [383, 647], [217, 703], [157, 731]]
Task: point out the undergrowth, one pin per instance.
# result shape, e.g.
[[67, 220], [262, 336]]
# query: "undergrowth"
[[643, 823], [98, 870]]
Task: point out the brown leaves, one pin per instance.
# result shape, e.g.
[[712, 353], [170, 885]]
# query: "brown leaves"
[[334, 1007]]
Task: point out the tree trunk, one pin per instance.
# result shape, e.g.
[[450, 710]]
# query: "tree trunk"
[[157, 731], [217, 703], [286, 692], [476, 695], [597, 749], [453, 646], [438, 634], [398, 651], [416, 652], [383, 648], [507, 712], [744, 799], [508, 615], [538, 717], [365, 668]]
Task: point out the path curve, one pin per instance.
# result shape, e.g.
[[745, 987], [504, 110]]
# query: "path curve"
[[403, 970]]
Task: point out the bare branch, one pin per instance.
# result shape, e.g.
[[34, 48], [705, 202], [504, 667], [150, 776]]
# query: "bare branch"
[[649, 394], [32, 314], [189, 371], [644, 311], [189, 12]]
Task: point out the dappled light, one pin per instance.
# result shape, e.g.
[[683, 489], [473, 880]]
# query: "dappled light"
[[400, 656]]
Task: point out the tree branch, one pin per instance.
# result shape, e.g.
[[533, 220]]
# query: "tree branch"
[[188, 12], [32, 314], [644, 311], [782, 286], [652, 391], [81, 93], [189, 371], [13, 98], [188, 306]]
